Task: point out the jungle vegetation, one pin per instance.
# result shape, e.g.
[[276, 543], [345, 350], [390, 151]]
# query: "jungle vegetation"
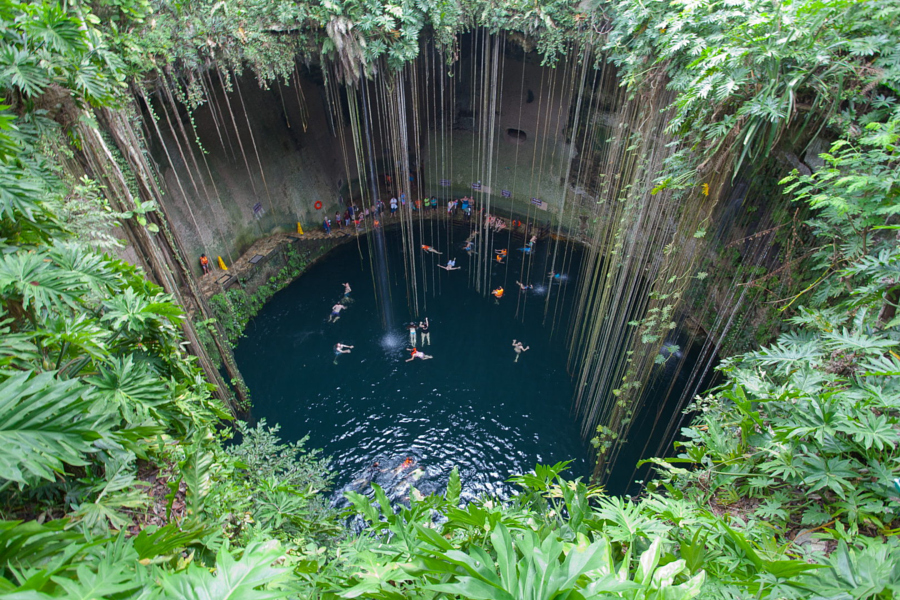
[[116, 480]]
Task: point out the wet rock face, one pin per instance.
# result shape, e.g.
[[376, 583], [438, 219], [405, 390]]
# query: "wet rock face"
[[516, 136]]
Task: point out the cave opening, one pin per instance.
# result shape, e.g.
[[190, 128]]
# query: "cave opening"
[[559, 150]]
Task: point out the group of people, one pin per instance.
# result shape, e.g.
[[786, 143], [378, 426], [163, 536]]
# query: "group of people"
[[357, 216], [339, 306], [423, 329]]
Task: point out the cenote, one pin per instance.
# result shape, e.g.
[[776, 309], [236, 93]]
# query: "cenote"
[[471, 406]]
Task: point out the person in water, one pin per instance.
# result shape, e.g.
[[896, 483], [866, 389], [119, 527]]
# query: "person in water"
[[412, 334], [523, 287], [339, 349], [499, 258], [430, 249], [414, 354], [451, 265], [519, 348], [424, 335], [336, 313], [498, 293], [346, 290], [556, 277]]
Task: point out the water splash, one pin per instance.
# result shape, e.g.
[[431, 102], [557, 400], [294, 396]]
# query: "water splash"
[[393, 340]]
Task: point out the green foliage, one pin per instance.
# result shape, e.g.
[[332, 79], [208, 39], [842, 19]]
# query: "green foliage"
[[236, 307], [744, 71], [44, 44], [108, 423]]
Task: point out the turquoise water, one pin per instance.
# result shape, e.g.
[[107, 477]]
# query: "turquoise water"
[[471, 406]]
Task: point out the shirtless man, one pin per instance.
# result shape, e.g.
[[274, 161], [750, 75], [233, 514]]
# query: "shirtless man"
[[336, 313], [346, 290], [339, 349], [451, 265], [414, 354], [519, 348], [523, 287]]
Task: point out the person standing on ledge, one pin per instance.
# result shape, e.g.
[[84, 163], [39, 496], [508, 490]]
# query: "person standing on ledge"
[[519, 348], [204, 264], [339, 349], [414, 354], [336, 313], [424, 335]]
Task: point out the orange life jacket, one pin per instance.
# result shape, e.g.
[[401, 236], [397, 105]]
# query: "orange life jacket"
[[204, 261]]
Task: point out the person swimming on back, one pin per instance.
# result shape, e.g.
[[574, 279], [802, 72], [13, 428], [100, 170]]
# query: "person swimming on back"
[[498, 293], [519, 348], [499, 258], [430, 249], [412, 334], [451, 265], [346, 298], [336, 312], [414, 354], [523, 287], [339, 349]]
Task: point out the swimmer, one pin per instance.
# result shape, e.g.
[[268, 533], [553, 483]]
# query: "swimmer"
[[414, 354], [408, 462], [346, 292], [336, 313], [499, 259], [469, 247], [519, 348], [430, 249], [523, 287], [532, 241], [498, 293], [451, 265], [556, 277], [412, 334], [500, 252], [424, 334], [339, 349]]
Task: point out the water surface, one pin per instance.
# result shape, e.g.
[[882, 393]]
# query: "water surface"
[[471, 406]]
